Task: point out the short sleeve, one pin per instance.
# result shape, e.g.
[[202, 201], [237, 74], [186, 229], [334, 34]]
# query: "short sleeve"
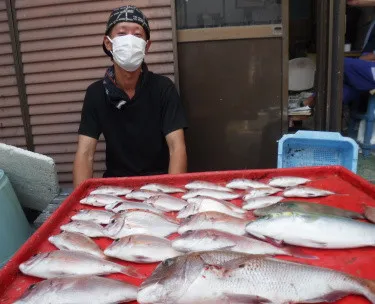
[[90, 124], [174, 117]]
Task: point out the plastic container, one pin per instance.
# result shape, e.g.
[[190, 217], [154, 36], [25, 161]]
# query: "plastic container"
[[14, 227], [301, 74], [315, 148], [359, 262]]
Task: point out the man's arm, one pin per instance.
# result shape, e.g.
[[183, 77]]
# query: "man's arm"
[[361, 2], [177, 152], [368, 57], [84, 159]]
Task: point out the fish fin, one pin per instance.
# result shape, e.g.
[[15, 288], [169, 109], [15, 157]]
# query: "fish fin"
[[334, 296], [369, 213], [244, 299], [298, 253], [370, 289], [275, 242], [132, 272]]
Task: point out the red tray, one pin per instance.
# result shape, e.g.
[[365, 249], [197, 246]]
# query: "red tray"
[[358, 262]]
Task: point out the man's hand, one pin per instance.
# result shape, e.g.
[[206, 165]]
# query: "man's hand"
[[368, 57], [361, 2], [177, 152]]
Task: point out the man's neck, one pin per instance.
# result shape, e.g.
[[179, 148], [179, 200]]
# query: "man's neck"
[[125, 80]]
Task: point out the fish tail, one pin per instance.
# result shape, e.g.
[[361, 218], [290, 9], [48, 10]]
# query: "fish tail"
[[132, 272], [298, 253], [369, 291]]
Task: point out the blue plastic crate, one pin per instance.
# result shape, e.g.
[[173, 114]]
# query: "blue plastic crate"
[[315, 148]]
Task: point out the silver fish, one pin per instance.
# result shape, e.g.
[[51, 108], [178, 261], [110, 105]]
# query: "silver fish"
[[166, 203], [100, 200], [260, 192], [78, 290], [204, 204], [87, 228], [96, 216], [194, 185], [140, 222], [211, 193], [206, 240], [313, 230], [141, 195], [261, 202], [128, 205], [214, 220], [141, 248], [62, 263], [304, 207], [76, 242], [252, 279], [162, 188], [111, 190], [301, 191], [243, 184], [370, 213], [288, 181]]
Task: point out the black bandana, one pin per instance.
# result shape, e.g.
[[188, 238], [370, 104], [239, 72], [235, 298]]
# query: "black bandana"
[[117, 96]]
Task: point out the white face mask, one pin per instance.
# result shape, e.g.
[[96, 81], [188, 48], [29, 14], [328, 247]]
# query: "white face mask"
[[128, 51]]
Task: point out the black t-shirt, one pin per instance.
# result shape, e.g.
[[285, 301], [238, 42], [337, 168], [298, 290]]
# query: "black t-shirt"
[[134, 134]]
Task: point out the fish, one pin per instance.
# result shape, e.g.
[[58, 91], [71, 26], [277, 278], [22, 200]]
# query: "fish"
[[162, 188], [211, 193], [78, 290], [260, 192], [370, 213], [203, 204], [96, 216], [62, 263], [111, 190], [313, 230], [166, 203], [128, 205], [195, 185], [304, 207], [141, 195], [251, 279], [141, 248], [244, 184], [76, 242], [207, 240], [301, 191], [214, 220], [288, 181], [87, 228], [261, 202], [140, 222], [100, 200]]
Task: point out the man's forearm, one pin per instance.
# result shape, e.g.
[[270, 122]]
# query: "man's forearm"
[[361, 2], [82, 170], [178, 161]]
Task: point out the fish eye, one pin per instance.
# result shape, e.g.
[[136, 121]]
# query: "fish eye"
[[32, 286], [116, 240], [168, 262], [189, 232], [113, 221]]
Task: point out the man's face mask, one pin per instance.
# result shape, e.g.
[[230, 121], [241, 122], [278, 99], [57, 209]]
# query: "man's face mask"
[[128, 51]]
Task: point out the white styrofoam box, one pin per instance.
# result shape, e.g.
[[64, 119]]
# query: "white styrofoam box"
[[33, 176]]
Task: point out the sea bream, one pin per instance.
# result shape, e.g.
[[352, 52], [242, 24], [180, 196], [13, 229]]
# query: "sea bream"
[[100, 200], [288, 181], [78, 290], [62, 263], [204, 204], [261, 202], [87, 228], [260, 192], [111, 190], [166, 203], [195, 185], [141, 248], [214, 220], [191, 279], [243, 184], [211, 193], [302, 191], [141, 195], [140, 222], [76, 242], [162, 188], [313, 230], [128, 205], [92, 215], [304, 207]]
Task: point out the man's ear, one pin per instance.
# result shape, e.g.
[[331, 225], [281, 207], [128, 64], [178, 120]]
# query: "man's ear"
[[148, 46], [107, 43]]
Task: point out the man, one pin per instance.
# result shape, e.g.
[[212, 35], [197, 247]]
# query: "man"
[[138, 112]]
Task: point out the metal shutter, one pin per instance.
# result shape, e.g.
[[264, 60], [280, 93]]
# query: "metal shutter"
[[62, 54]]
